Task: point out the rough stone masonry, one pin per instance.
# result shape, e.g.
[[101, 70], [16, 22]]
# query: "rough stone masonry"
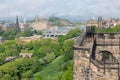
[[97, 58]]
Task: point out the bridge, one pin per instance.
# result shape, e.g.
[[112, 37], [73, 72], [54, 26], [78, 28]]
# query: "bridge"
[[97, 57]]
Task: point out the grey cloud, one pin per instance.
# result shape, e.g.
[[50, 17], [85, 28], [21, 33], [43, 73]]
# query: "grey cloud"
[[61, 7]]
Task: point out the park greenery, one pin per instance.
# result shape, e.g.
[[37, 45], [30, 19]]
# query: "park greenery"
[[13, 33], [52, 59]]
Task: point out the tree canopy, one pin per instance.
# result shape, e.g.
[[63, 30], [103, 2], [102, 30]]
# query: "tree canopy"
[[46, 53]]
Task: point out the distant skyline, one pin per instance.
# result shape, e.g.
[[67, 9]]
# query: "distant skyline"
[[64, 8]]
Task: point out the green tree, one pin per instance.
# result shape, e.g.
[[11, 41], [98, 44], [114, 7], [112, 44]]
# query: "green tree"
[[6, 77], [38, 77], [73, 33], [28, 74], [27, 32], [11, 34], [68, 74], [50, 57], [68, 49], [2, 49]]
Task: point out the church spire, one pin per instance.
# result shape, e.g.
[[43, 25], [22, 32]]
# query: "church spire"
[[17, 21]]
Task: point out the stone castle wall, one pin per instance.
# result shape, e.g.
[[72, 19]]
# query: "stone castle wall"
[[84, 70]]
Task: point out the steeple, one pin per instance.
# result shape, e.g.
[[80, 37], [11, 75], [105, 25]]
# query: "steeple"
[[37, 18], [17, 21], [24, 21]]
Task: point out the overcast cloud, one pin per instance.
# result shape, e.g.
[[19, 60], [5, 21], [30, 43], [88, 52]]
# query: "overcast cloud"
[[84, 8]]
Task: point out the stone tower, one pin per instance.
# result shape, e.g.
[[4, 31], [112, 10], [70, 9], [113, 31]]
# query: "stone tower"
[[100, 23], [17, 22]]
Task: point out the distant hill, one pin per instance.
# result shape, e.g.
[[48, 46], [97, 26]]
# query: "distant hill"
[[60, 21], [55, 21]]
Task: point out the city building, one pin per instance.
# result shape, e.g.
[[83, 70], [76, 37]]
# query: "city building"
[[24, 26], [40, 24], [29, 55], [92, 22], [31, 38], [10, 24], [54, 32], [1, 39], [102, 23], [111, 22]]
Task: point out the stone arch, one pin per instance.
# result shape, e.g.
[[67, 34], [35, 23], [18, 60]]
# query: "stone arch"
[[105, 56]]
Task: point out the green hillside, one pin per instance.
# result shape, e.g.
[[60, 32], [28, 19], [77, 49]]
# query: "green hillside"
[[52, 71]]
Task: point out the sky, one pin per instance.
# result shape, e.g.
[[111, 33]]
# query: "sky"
[[67, 8]]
